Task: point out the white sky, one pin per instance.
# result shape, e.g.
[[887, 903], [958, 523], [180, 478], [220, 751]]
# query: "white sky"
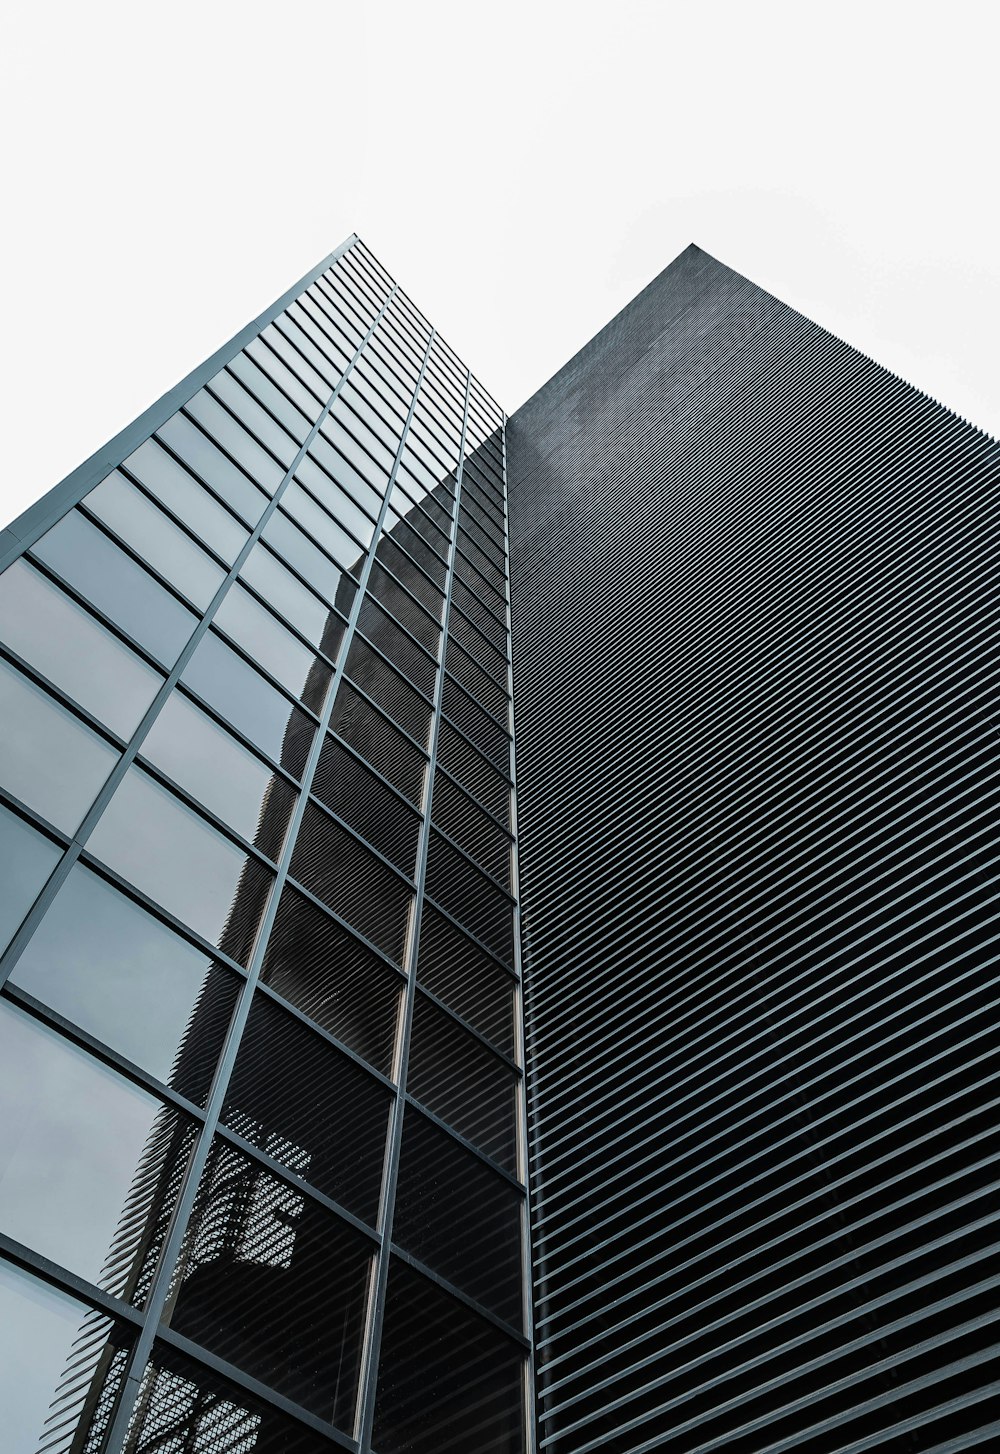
[[523, 169]]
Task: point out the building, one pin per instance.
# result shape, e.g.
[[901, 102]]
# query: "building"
[[270, 1090]]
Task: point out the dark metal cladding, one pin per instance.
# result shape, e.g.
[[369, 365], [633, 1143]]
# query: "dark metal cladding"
[[753, 587]]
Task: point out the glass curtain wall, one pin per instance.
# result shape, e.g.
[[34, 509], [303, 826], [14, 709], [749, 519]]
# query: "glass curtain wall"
[[261, 1109]]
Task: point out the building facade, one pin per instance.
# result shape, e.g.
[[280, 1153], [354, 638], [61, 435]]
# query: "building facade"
[[269, 1089]]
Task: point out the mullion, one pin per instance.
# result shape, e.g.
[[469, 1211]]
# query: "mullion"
[[159, 1291], [138, 485], [370, 1362], [200, 479]]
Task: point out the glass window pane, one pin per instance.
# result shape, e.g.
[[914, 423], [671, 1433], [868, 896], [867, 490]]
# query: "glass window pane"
[[54, 1384], [466, 979], [257, 420], [321, 526], [340, 871], [79, 655], [251, 704], [235, 440], [217, 770], [27, 860], [201, 1413], [172, 854], [275, 1284], [155, 539], [189, 501], [289, 596], [108, 966], [116, 585], [459, 1217], [79, 1149], [327, 1122], [449, 1382], [227, 480], [333, 977], [49, 759], [310, 562], [268, 643], [456, 1077], [338, 501]]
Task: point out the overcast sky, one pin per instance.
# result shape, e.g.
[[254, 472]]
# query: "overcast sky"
[[523, 169]]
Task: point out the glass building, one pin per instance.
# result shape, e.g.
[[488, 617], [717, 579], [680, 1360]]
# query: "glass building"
[[269, 1092]]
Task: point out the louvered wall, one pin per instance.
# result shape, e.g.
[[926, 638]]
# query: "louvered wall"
[[753, 595]]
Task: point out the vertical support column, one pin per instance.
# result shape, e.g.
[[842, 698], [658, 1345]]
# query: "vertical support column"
[[373, 1340], [530, 1414], [185, 1205]]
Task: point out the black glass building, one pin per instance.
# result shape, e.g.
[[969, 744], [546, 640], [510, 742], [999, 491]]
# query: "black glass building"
[[269, 1093]]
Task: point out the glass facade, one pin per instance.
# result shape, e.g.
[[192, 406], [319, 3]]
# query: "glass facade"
[[261, 1105]]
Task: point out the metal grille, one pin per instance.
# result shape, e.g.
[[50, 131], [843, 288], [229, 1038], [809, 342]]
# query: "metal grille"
[[752, 596]]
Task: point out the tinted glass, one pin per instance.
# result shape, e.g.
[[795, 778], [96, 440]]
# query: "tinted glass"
[[449, 1382], [463, 1082], [326, 1122], [27, 860], [118, 973], [352, 881], [321, 526], [93, 565], [172, 854], [310, 562], [334, 978], [49, 760], [181, 493], [225, 478], [67, 645], [50, 1377], [73, 1136], [286, 594], [236, 440], [459, 1216], [217, 770], [274, 1283], [155, 539], [250, 703], [466, 979], [263, 638], [200, 1413]]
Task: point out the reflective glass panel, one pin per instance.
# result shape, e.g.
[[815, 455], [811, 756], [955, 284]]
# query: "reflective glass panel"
[[263, 638], [251, 704], [205, 759], [459, 1216], [276, 1284], [449, 1382], [166, 849], [108, 966], [93, 565], [70, 647], [461, 1081], [334, 978], [182, 494], [288, 595], [310, 562], [79, 1146], [155, 539], [225, 478], [326, 1122], [48, 758], [236, 440], [27, 860], [55, 1386]]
